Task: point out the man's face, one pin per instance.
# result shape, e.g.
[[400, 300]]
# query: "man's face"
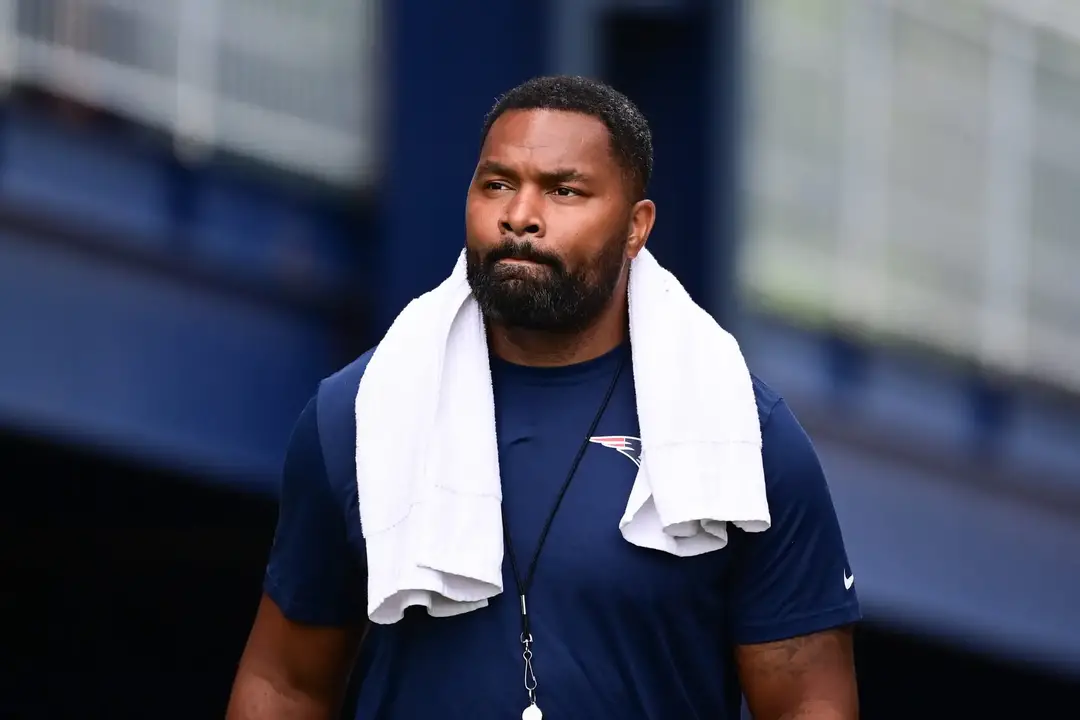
[[547, 221]]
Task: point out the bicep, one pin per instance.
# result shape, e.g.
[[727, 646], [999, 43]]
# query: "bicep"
[[792, 589], [301, 662], [308, 624], [813, 673]]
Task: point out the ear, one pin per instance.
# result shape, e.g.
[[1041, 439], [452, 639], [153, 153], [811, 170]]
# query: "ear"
[[642, 219]]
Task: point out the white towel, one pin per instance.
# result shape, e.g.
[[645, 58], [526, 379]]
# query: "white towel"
[[427, 462]]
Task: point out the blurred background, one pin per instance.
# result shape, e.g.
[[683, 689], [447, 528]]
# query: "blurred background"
[[208, 205]]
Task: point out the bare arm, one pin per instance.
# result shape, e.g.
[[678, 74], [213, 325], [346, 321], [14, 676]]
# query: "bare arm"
[[810, 677], [291, 671]]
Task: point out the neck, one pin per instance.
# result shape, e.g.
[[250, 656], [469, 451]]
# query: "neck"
[[547, 349]]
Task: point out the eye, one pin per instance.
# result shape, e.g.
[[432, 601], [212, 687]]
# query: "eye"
[[496, 185], [566, 192]]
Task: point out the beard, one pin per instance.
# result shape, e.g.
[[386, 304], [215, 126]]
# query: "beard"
[[547, 296]]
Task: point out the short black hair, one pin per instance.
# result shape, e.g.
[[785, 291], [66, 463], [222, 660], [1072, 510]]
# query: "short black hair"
[[631, 138]]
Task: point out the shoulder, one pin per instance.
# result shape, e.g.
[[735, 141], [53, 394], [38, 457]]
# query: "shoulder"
[[790, 460], [346, 380], [337, 393], [767, 399], [337, 421]]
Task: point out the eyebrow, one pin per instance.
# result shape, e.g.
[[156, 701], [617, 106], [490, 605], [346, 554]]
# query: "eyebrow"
[[551, 177]]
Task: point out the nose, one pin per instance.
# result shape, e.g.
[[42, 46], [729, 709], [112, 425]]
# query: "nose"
[[523, 215]]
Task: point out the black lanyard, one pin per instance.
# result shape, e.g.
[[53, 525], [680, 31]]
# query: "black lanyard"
[[524, 583]]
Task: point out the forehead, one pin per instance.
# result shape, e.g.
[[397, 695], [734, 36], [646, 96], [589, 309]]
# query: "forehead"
[[549, 139]]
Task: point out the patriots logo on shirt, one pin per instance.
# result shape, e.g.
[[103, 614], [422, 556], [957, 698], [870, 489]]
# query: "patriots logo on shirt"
[[624, 444]]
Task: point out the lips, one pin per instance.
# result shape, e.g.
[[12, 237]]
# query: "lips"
[[518, 261]]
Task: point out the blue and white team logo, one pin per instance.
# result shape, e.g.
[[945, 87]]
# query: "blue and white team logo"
[[624, 444]]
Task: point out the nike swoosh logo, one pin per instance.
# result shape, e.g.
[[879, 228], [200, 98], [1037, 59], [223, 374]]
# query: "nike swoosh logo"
[[849, 580]]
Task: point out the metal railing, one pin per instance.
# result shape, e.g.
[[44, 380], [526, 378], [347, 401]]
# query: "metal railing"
[[915, 173], [290, 82]]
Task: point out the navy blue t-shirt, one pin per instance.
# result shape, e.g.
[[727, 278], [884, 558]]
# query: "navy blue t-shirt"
[[619, 631]]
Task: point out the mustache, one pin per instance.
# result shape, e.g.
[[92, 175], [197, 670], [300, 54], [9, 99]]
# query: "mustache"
[[510, 249]]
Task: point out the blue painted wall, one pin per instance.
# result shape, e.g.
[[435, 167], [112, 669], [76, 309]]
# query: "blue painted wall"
[[640, 50]]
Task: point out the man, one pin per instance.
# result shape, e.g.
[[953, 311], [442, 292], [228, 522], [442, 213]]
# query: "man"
[[555, 212]]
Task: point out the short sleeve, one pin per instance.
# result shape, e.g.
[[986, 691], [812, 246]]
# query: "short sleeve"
[[794, 578], [312, 574]]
